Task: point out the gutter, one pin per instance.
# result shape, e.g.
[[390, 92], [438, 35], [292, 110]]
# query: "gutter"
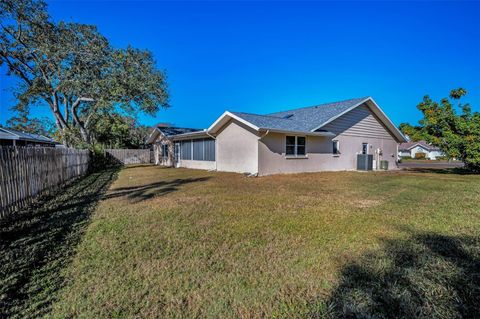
[[189, 134]]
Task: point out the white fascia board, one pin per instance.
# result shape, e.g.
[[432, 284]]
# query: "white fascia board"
[[190, 135], [149, 139], [227, 115], [388, 123], [421, 146]]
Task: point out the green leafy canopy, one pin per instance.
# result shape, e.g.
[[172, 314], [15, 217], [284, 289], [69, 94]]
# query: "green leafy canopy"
[[453, 128], [74, 70]]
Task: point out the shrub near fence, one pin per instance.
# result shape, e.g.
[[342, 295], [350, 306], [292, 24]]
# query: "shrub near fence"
[[129, 156], [26, 172]]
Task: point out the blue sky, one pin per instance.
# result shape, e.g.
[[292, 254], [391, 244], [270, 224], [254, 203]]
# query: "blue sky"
[[263, 57]]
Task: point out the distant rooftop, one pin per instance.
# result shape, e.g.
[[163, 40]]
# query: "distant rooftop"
[[409, 145], [11, 134], [170, 131]]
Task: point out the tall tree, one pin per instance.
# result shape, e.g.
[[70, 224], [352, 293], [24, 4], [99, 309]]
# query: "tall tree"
[[22, 122], [414, 133], [74, 70], [458, 135], [117, 131]]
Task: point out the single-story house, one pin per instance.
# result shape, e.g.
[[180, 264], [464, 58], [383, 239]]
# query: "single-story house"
[[410, 149], [326, 137], [163, 147], [10, 137]]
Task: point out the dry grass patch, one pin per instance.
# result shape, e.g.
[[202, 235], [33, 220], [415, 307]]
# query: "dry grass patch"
[[181, 243]]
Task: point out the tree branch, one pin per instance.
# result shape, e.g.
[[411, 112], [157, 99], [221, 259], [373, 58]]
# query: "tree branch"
[[67, 110], [15, 69], [32, 53], [78, 122]]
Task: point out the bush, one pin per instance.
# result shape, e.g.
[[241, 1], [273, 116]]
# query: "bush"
[[420, 156], [100, 160]]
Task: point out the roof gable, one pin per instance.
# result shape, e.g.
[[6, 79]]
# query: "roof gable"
[[307, 120], [169, 131], [300, 120]]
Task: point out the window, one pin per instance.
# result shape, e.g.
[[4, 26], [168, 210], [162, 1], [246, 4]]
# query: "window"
[[295, 145], [364, 148], [301, 141], [336, 148], [209, 150], [290, 150], [164, 150], [198, 150], [186, 150]]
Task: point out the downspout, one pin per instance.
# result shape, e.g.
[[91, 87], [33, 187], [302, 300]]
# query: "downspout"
[[397, 157], [216, 147], [268, 131]]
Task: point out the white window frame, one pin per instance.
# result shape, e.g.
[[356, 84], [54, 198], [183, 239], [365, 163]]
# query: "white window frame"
[[338, 148], [295, 155]]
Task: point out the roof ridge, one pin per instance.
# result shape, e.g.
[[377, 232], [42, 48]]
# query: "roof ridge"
[[264, 115], [190, 128], [313, 106]]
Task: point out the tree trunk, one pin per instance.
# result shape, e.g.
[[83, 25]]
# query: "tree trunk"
[[83, 130]]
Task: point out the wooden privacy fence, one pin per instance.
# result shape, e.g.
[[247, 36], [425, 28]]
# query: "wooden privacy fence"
[[129, 156], [25, 172]]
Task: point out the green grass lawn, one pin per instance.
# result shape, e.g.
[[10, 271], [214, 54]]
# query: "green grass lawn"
[[178, 243]]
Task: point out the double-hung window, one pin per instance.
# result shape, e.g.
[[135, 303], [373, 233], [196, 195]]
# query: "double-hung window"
[[295, 146]]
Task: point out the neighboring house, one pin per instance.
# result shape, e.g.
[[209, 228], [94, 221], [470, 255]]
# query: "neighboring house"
[[410, 149], [9, 137], [325, 137]]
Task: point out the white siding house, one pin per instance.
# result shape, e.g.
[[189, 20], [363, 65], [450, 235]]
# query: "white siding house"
[[411, 149]]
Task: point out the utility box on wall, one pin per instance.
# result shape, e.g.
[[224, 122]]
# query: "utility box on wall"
[[384, 165], [364, 162]]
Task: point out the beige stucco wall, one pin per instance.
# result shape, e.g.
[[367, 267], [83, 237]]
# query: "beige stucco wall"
[[207, 165], [237, 149], [351, 131], [272, 159]]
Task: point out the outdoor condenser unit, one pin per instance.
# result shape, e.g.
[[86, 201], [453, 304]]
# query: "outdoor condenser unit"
[[364, 162]]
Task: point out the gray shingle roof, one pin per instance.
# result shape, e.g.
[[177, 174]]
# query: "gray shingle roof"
[[27, 136], [271, 122], [170, 131], [303, 119]]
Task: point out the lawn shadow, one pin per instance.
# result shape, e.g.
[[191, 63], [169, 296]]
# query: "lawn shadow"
[[144, 192], [453, 170], [424, 276], [37, 243]]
